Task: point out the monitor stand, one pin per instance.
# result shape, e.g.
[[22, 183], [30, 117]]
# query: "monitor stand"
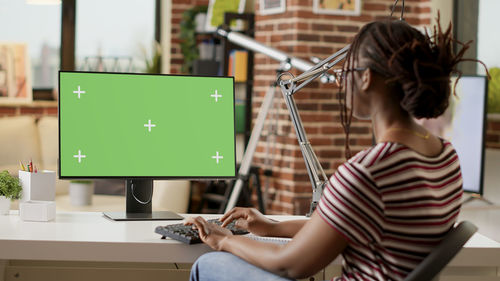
[[139, 193], [473, 197]]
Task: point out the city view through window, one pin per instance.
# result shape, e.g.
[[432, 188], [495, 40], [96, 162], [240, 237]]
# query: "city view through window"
[[111, 35]]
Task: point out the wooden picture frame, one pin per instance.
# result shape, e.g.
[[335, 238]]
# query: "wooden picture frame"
[[337, 7], [15, 73], [216, 10], [271, 7]]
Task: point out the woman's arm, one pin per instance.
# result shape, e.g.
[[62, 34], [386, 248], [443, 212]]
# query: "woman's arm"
[[286, 228], [314, 246], [254, 221]]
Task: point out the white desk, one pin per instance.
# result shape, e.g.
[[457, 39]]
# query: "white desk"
[[91, 237]]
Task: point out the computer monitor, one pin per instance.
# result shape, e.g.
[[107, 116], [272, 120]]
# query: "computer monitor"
[[463, 124], [141, 127]]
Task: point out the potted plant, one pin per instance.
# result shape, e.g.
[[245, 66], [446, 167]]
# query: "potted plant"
[[494, 91], [153, 63], [10, 189], [80, 192], [189, 46]]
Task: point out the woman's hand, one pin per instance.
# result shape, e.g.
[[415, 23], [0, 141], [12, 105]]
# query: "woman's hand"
[[251, 220], [210, 233]]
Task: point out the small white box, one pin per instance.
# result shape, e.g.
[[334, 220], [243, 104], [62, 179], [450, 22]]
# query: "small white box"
[[38, 186], [37, 210]]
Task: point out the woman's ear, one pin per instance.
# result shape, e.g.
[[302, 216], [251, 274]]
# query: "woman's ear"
[[366, 79]]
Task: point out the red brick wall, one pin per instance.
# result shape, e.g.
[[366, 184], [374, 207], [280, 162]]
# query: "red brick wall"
[[301, 33], [493, 132], [38, 109]]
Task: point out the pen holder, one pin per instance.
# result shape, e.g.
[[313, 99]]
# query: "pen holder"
[[38, 186]]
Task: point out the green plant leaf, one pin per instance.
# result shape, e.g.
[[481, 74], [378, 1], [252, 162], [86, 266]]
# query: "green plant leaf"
[[10, 186], [494, 90], [153, 64], [189, 48]]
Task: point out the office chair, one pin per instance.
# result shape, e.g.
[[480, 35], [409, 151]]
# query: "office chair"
[[452, 243]]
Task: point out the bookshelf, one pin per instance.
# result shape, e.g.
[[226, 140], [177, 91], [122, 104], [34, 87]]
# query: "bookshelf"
[[217, 193], [247, 84]]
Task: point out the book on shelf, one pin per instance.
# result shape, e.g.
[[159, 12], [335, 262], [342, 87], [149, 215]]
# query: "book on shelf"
[[237, 65]]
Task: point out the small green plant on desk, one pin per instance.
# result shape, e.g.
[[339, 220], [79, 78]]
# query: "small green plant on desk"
[[10, 189], [10, 186]]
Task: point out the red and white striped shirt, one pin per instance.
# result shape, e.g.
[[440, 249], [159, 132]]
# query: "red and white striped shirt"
[[393, 205]]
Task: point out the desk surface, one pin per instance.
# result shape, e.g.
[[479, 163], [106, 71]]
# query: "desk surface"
[[92, 237], [89, 236]]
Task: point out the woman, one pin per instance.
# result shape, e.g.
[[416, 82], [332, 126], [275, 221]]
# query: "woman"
[[386, 207]]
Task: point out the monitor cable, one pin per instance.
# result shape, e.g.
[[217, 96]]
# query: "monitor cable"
[[137, 199]]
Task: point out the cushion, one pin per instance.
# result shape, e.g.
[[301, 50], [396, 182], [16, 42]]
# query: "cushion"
[[18, 142], [48, 130], [49, 137], [171, 195]]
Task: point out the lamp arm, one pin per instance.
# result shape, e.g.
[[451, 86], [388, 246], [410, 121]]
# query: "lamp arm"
[[316, 173], [288, 87], [251, 44]]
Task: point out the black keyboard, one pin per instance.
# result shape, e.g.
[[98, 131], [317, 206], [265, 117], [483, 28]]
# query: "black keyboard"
[[188, 235]]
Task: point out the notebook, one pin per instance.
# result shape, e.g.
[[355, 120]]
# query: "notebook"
[[275, 240]]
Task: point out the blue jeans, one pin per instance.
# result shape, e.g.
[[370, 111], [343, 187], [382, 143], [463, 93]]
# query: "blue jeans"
[[223, 266]]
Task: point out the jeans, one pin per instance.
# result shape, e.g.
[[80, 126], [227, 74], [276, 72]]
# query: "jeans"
[[223, 266]]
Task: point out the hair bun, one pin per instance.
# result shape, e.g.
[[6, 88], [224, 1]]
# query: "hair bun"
[[426, 99], [423, 69]]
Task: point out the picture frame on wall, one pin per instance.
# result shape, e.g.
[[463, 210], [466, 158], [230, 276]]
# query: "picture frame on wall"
[[216, 10], [15, 75], [271, 7], [337, 7]]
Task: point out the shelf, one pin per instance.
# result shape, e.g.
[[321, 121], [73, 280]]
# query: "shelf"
[[205, 33]]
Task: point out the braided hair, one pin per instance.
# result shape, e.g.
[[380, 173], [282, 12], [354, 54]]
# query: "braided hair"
[[417, 66]]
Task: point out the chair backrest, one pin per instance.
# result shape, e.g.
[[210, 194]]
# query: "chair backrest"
[[443, 253]]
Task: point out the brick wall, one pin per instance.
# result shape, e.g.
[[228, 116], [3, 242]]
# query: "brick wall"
[[493, 132], [301, 33], [37, 108]]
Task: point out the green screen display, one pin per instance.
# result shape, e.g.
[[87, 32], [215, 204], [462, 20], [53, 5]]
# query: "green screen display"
[[136, 125]]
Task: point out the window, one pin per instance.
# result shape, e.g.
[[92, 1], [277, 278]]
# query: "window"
[[39, 26], [487, 42], [114, 35]]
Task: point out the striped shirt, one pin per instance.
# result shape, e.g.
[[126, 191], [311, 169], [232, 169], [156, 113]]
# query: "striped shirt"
[[393, 205]]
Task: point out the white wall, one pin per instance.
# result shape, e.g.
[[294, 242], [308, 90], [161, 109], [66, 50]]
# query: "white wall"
[[445, 8], [488, 35]]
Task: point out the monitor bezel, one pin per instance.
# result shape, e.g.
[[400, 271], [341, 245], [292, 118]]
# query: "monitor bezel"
[[60, 176], [483, 135]]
